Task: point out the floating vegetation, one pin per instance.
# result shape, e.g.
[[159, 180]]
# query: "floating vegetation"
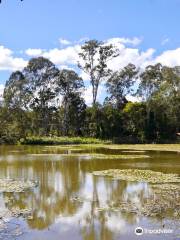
[[76, 150], [9, 229], [125, 207], [10, 185], [82, 199], [139, 175], [77, 199], [103, 156], [18, 212], [14, 212], [164, 198], [88, 155], [166, 187], [144, 147], [44, 154], [15, 151], [150, 208], [134, 151], [162, 201]]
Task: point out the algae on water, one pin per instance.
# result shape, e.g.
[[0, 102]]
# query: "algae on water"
[[10, 185], [9, 229], [139, 175], [103, 156], [162, 201], [9, 213], [163, 197]]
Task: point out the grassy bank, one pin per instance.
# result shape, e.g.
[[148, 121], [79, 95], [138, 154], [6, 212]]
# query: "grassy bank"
[[96, 143], [60, 141]]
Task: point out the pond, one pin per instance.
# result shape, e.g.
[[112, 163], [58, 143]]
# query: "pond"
[[68, 200]]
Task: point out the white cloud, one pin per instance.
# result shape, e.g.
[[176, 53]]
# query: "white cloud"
[[65, 67], [130, 55], [9, 62], [133, 99], [82, 40], [164, 41], [65, 56], [101, 95], [88, 96], [1, 91], [68, 56], [64, 41], [84, 76], [169, 58], [34, 52], [132, 41]]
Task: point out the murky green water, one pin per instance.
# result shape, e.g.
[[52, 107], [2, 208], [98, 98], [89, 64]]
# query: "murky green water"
[[67, 201]]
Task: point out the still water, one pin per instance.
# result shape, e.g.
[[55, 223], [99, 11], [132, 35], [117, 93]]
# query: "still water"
[[66, 200]]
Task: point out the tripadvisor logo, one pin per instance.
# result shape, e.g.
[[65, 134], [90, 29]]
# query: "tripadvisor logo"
[[138, 231]]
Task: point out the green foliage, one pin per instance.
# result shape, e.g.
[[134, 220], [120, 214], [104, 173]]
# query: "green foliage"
[[95, 55], [119, 85], [70, 86], [60, 140], [151, 80], [134, 115], [160, 86], [43, 101]]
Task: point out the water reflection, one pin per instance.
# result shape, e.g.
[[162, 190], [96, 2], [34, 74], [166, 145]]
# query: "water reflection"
[[60, 182]]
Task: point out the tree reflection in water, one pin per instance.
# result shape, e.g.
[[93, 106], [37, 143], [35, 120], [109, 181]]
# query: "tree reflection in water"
[[60, 181]]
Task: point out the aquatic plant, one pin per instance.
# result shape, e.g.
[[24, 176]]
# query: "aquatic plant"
[[103, 156], [139, 175], [146, 147], [10, 229], [10, 185]]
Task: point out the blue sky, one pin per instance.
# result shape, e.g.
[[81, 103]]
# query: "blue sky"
[[40, 24]]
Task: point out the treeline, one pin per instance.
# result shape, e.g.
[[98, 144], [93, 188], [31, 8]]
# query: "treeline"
[[42, 100]]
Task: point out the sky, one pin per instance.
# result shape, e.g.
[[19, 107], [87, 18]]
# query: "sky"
[[145, 31]]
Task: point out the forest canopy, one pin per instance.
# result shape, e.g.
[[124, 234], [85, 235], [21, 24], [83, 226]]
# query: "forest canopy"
[[42, 100]]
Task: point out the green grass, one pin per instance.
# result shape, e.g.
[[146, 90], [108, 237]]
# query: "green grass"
[[60, 141]]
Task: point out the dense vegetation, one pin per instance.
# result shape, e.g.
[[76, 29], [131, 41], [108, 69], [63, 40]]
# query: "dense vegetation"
[[60, 141], [43, 101]]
